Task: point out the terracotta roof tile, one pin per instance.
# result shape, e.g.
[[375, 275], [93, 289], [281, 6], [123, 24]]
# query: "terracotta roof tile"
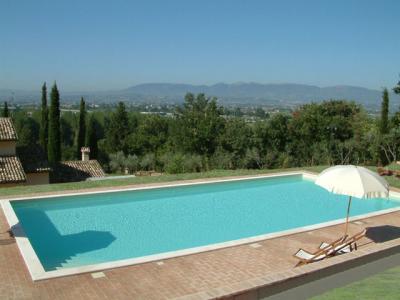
[[77, 170], [91, 167], [7, 130], [11, 170]]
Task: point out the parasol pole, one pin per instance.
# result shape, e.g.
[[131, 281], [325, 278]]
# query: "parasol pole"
[[347, 217]]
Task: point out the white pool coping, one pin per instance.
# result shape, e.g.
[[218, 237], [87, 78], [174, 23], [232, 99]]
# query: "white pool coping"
[[37, 271]]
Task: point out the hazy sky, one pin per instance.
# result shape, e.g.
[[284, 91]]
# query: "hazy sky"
[[100, 45]]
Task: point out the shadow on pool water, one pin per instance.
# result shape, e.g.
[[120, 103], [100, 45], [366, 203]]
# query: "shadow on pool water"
[[54, 249]]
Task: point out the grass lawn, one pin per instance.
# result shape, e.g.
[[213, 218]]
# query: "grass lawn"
[[24, 190], [382, 286]]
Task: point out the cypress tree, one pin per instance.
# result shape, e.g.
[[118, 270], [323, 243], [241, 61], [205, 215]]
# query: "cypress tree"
[[118, 129], [6, 112], [384, 124], [91, 137], [44, 121], [81, 128], [54, 144]]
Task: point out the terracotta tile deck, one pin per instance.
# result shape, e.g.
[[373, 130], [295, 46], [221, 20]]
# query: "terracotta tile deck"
[[218, 273]]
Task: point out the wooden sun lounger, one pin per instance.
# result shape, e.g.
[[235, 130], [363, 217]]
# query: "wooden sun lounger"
[[306, 257], [347, 249], [341, 245], [324, 251], [352, 241]]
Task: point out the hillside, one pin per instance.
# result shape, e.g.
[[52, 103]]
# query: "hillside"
[[236, 94]]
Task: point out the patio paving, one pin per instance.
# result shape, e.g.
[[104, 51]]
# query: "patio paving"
[[226, 272]]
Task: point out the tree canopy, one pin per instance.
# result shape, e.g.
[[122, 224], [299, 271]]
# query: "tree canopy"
[[54, 143], [91, 137], [118, 130], [200, 135], [44, 120], [198, 124], [384, 123], [5, 113], [81, 128]]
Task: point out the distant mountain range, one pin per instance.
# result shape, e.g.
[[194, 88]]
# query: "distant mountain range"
[[234, 94]]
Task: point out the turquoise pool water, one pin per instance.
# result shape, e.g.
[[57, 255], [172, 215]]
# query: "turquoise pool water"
[[88, 229]]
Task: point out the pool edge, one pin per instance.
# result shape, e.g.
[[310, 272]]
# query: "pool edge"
[[37, 271], [159, 185]]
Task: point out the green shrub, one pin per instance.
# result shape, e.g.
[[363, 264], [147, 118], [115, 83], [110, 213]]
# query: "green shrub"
[[252, 159], [271, 160], [117, 162], [192, 163], [285, 160], [148, 162], [132, 163], [174, 164], [222, 160]]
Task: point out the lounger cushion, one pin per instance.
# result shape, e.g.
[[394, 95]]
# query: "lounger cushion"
[[303, 254]]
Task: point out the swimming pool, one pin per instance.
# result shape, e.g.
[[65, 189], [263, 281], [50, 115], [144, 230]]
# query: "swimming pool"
[[72, 232]]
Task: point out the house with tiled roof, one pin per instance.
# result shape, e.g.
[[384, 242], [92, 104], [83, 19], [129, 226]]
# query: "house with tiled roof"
[[78, 170], [8, 137], [29, 165], [12, 170]]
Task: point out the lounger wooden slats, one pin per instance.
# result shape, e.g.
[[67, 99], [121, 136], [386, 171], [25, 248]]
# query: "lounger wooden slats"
[[342, 245]]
